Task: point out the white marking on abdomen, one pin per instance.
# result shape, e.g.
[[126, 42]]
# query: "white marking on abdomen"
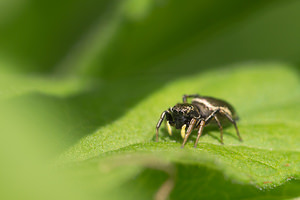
[[210, 106], [205, 102]]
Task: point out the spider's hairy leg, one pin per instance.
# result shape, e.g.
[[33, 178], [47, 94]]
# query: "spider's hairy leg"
[[220, 127], [212, 115], [234, 123], [161, 119], [185, 97], [202, 123], [188, 132]]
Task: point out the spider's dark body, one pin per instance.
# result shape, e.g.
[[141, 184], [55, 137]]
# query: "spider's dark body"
[[196, 115], [182, 114]]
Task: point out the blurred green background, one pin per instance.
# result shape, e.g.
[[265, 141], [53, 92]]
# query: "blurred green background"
[[68, 68]]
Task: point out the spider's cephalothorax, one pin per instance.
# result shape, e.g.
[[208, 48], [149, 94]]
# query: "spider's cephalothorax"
[[182, 114], [197, 114]]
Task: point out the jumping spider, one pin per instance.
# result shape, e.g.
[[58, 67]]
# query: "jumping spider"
[[196, 115]]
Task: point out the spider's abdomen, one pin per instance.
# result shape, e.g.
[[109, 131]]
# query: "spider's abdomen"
[[207, 105]]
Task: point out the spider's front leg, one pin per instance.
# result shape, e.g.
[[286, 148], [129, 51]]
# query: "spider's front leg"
[[189, 131], [163, 115], [201, 126]]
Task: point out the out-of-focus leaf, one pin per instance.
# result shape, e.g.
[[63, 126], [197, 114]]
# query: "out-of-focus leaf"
[[165, 40], [37, 35]]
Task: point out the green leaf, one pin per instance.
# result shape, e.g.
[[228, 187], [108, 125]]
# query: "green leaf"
[[266, 97]]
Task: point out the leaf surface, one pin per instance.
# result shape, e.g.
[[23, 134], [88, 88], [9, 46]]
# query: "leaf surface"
[[268, 157]]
